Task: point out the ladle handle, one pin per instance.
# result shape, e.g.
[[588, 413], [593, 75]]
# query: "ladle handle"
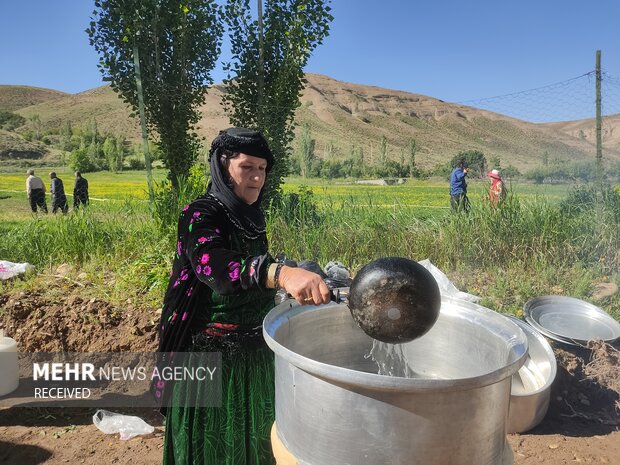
[[339, 295]]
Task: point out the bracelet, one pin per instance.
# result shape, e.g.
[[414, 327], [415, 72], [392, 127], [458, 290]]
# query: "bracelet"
[[273, 273], [276, 276]]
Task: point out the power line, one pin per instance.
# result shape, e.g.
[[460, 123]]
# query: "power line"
[[568, 100]]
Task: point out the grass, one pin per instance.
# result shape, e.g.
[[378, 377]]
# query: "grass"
[[531, 246], [102, 184]]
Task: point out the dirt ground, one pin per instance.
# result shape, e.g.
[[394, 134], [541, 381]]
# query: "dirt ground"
[[582, 425]]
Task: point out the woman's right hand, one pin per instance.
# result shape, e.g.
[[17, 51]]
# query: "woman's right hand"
[[305, 286]]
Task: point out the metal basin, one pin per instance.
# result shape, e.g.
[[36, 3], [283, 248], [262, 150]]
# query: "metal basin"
[[332, 408], [569, 320], [529, 404]]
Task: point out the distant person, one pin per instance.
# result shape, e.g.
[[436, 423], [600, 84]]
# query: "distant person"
[[36, 192], [80, 191], [59, 199], [498, 191], [458, 187]]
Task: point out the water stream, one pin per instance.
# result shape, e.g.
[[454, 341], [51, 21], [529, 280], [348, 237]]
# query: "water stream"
[[391, 360]]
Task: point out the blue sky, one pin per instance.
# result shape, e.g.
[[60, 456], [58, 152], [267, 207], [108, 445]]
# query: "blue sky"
[[454, 50]]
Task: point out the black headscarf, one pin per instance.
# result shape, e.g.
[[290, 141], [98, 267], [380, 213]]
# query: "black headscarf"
[[248, 218]]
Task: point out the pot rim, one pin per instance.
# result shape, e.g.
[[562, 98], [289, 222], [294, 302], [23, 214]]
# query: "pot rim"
[[540, 338], [517, 345]]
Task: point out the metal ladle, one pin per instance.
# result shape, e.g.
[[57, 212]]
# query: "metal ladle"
[[394, 300]]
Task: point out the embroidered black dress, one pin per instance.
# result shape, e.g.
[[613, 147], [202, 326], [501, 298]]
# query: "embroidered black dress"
[[217, 288]]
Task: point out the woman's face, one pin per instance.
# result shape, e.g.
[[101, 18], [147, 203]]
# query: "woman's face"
[[247, 174]]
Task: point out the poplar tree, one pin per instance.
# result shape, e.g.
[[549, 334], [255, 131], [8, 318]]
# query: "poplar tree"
[[265, 74], [306, 147], [412, 148], [178, 42]]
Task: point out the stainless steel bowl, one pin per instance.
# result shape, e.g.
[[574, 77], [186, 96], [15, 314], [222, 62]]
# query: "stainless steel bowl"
[[570, 320], [531, 385]]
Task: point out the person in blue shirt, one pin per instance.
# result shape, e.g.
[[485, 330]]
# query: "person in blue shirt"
[[458, 188]]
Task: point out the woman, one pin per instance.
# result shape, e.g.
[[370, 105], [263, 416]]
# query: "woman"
[[497, 192], [222, 284]]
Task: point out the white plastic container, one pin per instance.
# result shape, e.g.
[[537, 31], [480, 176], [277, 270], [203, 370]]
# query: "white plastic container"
[[9, 368]]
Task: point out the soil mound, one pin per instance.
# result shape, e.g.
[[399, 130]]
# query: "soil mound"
[[72, 323], [587, 387]]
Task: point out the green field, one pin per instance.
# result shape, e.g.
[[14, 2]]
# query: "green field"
[[536, 244], [132, 184]]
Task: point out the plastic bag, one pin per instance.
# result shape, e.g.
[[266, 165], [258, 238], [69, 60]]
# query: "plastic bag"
[[445, 285], [127, 425], [9, 269], [337, 271]]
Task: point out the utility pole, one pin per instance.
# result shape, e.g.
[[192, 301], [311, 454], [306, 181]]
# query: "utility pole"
[[261, 58], [145, 139], [599, 138]]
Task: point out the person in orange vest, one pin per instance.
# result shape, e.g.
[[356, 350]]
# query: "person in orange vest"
[[498, 191]]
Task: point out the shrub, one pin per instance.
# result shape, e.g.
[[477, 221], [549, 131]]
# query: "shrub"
[[474, 158], [169, 202], [135, 163], [510, 172], [80, 161], [296, 208], [11, 121]]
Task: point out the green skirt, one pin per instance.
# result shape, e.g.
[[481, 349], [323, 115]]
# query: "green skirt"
[[237, 433]]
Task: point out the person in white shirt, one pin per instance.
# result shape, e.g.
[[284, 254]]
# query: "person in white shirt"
[[36, 192]]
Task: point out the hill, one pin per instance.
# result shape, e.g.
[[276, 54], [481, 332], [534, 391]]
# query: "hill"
[[15, 97], [15, 147], [586, 130], [342, 115], [359, 114]]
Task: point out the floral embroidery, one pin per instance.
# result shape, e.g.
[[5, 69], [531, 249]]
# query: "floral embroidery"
[[198, 268], [179, 248], [184, 317], [160, 384], [186, 207], [184, 275], [234, 271], [204, 259], [253, 266], [190, 290], [206, 270], [196, 214], [202, 240]]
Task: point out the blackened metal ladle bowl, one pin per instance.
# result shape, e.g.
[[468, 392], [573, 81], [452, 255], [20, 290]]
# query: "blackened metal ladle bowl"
[[394, 300]]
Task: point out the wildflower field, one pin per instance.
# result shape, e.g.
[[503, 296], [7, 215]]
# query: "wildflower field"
[[545, 239]]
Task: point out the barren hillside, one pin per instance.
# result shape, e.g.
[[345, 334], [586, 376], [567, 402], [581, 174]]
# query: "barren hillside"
[[15, 97], [343, 115], [586, 130]]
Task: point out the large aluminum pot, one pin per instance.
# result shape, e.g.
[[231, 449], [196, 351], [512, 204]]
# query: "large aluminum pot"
[[333, 409], [529, 401]]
